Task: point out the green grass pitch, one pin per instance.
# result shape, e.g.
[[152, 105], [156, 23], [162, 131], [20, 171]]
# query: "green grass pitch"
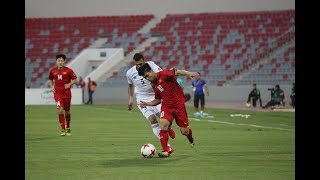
[[106, 140]]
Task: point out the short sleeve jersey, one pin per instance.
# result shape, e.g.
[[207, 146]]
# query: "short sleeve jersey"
[[198, 86], [168, 89], [142, 86], [62, 77]]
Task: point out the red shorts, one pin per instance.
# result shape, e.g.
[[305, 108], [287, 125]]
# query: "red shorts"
[[179, 114], [65, 103]]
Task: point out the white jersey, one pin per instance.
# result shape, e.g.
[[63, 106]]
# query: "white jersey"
[[143, 89]]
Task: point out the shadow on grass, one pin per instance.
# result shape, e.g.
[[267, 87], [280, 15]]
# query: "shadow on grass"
[[139, 161]]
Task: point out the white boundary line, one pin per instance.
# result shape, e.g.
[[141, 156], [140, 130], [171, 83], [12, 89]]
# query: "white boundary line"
[[240, 124], [209, 120]]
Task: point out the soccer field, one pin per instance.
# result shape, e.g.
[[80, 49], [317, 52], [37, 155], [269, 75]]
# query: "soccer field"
[[106, 140]]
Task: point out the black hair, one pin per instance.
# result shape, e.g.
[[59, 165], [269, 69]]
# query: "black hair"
[[61, 56], [143, 69], [138, 57], [277, 86]]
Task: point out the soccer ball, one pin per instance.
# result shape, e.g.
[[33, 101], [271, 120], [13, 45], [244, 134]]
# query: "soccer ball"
[[148, 150], [248, 104]]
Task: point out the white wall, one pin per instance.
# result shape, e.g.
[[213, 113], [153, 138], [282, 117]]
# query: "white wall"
[[217, 94], [69, 8], [44, 96]]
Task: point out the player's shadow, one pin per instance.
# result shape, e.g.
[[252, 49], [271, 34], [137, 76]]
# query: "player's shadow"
[[139, 161]]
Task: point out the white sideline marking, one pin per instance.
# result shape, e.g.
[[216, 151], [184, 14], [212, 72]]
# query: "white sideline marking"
[[214, 121], [242, 124]]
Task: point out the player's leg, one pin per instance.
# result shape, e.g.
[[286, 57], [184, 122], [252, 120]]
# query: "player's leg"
[[61, 118], [171, 132], [164, 138], [202, 103], [149, 113], [92, 97], [181, 117], [89, 97], [196, 104], [270, 103], [254, 102], [166, 119], [187, 131], [67, 105], [154, 125], [249, 98]]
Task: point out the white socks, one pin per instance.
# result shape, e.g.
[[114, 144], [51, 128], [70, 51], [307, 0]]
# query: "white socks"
[[156, 129]]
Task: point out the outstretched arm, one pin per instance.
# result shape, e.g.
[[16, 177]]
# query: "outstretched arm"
[[154, 102], [187, 73]]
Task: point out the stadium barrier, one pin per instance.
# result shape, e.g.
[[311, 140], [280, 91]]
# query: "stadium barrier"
[[44, 96]]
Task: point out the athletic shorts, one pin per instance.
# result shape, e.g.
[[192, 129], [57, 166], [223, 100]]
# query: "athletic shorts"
[[150, 110], [65, 103], [180, 115]]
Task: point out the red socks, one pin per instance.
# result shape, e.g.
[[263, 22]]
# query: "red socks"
[[62, 121], [164, 137], [68, 118], [189, 136]]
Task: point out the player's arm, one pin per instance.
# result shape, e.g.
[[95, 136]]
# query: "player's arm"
[[72, 82], [186, 73], [52, 85], [51, 79], [130, 96], [155, 68], [73, 78], [154, 102]]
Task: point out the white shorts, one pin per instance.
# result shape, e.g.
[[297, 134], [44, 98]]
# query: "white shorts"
[[150, 110]]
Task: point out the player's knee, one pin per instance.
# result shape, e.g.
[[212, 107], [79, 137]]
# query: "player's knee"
[[164, 124], [153, 119]]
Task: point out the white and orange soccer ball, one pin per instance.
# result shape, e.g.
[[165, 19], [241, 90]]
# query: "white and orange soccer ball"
[[148, 150]]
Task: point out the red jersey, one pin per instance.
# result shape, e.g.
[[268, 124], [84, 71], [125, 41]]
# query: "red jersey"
[[62, 77], [168, 89]]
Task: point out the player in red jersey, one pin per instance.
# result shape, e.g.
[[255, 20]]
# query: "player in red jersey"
[[62, 79], [170, 94]]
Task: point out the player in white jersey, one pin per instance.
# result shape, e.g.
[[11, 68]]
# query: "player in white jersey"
[[144, 92]]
